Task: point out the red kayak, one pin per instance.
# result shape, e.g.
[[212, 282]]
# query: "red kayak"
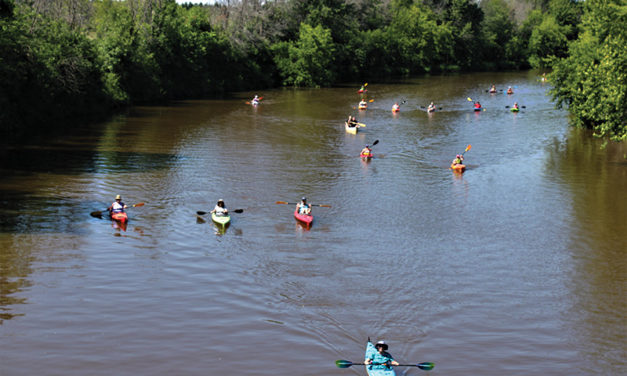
[[303, 218], [366, 157], [121, 217]]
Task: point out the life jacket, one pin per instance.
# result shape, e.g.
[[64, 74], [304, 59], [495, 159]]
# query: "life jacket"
[[117, 207]]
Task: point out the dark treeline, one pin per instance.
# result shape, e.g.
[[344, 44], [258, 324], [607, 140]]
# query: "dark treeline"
[[65, 61]]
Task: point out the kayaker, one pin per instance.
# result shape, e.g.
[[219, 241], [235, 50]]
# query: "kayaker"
[[220, 209], [510, 90], [363, 104], [493, 89], [396, 107], [366, 151], [381, 358], [431, 107], [303, 207], [515, 106], [255, 100], [117, 206], [458, 159], [477, 105]]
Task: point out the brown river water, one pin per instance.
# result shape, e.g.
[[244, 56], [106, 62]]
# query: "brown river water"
[[515, 267]]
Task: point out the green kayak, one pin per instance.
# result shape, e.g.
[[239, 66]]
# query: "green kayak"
[[221, 219]]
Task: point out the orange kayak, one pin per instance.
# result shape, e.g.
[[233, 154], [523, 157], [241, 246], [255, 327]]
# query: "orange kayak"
[[458, 167], [121, 217]]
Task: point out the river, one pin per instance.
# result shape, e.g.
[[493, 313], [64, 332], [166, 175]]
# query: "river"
[[516, 266]]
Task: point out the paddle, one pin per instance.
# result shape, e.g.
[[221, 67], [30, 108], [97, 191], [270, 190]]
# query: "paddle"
[[467, 148], [200, 212], [294, 203], [439, 108], [98, 213], [425, 366], [520, 106]]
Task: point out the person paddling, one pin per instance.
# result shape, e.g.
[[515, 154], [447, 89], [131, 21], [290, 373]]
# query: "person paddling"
[[431, 107], [396, 107], [458, 160], [363, 104], [220, 210], [510, 90], [303, 207], [515, 106], [366, 152], [493, 89], [477, 106], [255, 100], [117, 206], [351, 122], [381, 359]]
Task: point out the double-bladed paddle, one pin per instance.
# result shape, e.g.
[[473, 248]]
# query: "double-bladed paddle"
[[425, 366], [467, 148], [294, 203], [200, 212], [98, 213], [520, 106], [439, 108]]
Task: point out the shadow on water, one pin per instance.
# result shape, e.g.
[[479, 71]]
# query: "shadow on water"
[[73, 161]]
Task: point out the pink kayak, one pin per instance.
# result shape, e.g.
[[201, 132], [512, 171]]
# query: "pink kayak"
[[303, 218]]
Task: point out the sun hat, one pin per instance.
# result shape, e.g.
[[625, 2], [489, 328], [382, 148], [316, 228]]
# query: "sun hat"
[[382, 344]]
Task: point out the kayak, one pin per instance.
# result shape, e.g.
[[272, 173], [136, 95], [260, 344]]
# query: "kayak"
[[303, 218], [362, 91], [458, 167], [352, 130], [477, 109], [515, 109], [396, 109], [221, 219], [363, 107], [377, 372], [121, 217]]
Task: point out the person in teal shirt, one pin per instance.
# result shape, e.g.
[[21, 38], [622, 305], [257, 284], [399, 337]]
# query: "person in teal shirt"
[[380, 359]]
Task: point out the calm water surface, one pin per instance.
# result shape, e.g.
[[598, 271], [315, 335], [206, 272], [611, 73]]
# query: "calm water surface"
[[517, 266]]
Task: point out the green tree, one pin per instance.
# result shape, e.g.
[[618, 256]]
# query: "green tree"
[[547, 41], [419, 43], [592, 80], [306, 62], [498, 31]]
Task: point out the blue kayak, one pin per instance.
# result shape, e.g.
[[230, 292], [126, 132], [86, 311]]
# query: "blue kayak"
[[377, 372]]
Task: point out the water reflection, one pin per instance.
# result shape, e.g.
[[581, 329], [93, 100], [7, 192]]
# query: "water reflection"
[[521, 257]]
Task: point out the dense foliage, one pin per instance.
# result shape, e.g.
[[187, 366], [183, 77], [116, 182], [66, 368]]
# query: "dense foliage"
[[62, 61], [592, 80]]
